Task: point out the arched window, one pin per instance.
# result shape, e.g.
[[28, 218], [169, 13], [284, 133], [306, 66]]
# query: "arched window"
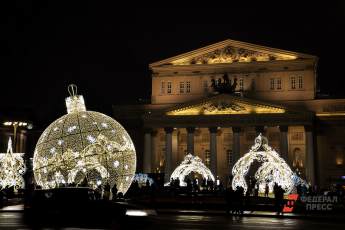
[[297, 158], [207, 158]]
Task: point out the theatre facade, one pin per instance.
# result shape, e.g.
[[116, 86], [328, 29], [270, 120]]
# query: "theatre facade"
[[213, 102]]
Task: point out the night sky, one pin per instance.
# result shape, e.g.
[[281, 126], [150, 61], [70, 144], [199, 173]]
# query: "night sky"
[[106, 49]]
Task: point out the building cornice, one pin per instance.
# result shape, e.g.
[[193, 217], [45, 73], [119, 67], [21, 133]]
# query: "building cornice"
[[233, 43], [239, 67]]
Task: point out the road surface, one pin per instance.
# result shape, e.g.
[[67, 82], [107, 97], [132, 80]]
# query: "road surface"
[[13, 220]]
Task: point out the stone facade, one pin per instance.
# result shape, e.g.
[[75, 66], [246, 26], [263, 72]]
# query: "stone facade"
[[274, 93]]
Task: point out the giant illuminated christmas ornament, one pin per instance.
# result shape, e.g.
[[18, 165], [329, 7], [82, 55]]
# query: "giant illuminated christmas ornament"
[[84, 147], [12, 168], [273, 169], [188, 165]]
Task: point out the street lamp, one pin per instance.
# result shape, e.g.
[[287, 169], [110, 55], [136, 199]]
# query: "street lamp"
[[15, 125]]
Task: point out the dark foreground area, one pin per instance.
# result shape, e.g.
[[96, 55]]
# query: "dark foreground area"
[[13, 220]]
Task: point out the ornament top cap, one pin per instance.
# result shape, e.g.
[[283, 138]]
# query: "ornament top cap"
[[74, 103]]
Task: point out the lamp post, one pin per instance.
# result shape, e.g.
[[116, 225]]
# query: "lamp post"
[[16, 125]]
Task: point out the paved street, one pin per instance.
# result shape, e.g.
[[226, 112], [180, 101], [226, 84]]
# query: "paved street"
[[13, 220]]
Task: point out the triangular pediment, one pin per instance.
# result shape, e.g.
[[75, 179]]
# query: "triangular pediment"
[[225, 105], [231, 51]]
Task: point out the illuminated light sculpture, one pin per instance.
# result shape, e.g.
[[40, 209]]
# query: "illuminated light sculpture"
[[142, 178], [12, 168], [272, 170], [188, 165], [84, 146]]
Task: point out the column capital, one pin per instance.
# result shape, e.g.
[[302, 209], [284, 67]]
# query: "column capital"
[[236, 129], [308, 128], [168, 129], [283, 128], [190, 129], [213, 129]]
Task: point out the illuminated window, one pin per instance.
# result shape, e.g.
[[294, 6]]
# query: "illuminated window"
[[339, 161], [162, 87], [241, 84], [297, 162], [207, 158], [293, 83], [169, 87], [297, 136], [188, 87], [272, 83], [181, 87], [279, 83], [205, 86], [300, 82], [339, 156]]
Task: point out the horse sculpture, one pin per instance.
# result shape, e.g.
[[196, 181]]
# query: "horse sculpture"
[[224, 86]]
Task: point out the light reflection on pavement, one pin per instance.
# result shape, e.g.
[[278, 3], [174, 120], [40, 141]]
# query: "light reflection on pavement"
[[13, 220]]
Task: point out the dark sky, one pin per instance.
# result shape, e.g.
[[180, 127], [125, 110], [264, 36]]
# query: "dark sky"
[[106, 49]]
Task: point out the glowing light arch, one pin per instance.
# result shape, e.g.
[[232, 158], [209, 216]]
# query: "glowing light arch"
[[188, 165], [273, 169]]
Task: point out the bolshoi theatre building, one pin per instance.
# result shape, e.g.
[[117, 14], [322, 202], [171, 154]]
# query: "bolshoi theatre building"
[[213, 102]]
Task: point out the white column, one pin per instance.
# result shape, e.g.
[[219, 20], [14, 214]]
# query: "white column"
[[236, 152], [284, 147], [310, 154], [190, 140], [213, 150], [147, 150], [168, 153]]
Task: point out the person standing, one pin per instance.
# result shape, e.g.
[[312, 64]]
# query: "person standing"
[[266, 190], [98, 192], [106, 194], [279, 199], [114, 192], [1, 199], [228, 198]]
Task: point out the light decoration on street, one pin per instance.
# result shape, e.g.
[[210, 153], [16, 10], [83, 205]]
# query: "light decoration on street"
[[12, 168], [273, 169], [188, 165], [84, 146], [142, 178]]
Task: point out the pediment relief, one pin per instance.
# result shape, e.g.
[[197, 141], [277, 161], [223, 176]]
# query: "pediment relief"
[[225, 107], [232, 54], [231, 51]]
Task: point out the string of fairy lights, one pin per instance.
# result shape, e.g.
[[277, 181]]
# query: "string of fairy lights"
[[272, 170], [188, 165], [90, 147], [84, 146], [12, 168]]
